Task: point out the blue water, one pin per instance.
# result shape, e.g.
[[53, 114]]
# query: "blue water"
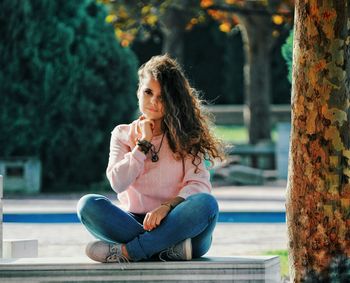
[[224, 217]]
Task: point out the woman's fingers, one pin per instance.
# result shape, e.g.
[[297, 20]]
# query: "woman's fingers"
[[148, 222], [145, 222], [152, 124], [153, 219], [158, 221]]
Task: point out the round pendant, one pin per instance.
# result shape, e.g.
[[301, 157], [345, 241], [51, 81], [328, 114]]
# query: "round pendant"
[[155, 158]]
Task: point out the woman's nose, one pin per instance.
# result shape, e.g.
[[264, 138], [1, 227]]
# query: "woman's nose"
[[154, 100]]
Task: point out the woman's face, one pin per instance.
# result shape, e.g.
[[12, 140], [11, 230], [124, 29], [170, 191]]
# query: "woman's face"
[[150, 98]]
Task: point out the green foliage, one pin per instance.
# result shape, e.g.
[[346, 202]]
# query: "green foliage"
[[65, 82], [287, 52], [236, 134], [284, 265], [280, 87]]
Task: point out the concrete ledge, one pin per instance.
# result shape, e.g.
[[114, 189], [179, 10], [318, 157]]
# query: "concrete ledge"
[[214, 269], [20, 248]]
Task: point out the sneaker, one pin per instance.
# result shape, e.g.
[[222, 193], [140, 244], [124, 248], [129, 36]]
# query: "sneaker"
[[181, 251], [104, 252]]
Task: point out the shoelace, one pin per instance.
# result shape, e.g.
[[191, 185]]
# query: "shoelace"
[[116, 254], [169, 253]]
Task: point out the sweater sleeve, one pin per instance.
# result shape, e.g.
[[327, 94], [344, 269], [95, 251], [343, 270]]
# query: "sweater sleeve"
[[195, 183], [124, 164]]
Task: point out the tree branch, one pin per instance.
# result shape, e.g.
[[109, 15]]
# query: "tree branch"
[[248, 11]]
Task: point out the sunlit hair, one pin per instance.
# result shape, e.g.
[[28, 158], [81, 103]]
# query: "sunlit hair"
[[185, 121]]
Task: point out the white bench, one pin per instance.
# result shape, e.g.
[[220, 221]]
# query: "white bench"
[[220, 269], [15, 248]]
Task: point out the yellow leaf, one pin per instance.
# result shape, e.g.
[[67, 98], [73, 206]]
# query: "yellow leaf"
[[206, 3], [123, 14], [275, 33], [125, 43], [230, 2], [145, 9], [225, 27], [194, 21], [277, 19], [118, 33], [110, 18], [151, 19]]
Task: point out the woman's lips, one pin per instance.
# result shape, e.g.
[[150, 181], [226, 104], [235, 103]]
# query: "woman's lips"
[[152, 110]]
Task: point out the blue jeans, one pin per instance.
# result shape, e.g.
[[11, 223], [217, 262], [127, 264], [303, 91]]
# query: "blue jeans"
[[194, 218]]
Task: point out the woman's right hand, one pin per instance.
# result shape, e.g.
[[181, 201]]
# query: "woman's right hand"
[[154, 218], [145, 127]]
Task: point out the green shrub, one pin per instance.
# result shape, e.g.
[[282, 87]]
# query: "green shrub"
[[287, 52], [65, 82]]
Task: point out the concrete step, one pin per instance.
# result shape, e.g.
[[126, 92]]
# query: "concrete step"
[[213, 269]]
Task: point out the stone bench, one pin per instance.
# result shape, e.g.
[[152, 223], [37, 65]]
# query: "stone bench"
[[259, 156], [14, 248], [213, 269]]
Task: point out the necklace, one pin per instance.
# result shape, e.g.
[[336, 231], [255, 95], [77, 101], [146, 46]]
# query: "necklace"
[[154, 152]]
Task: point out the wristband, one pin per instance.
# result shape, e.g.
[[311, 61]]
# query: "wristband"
[[144, 145]]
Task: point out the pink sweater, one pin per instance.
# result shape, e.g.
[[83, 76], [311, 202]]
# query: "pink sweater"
[[142, 185]]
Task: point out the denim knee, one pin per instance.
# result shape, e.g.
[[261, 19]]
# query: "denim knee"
[[87, 205], [206, 201]]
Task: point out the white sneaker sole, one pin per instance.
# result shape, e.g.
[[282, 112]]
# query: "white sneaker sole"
[[188, 249]]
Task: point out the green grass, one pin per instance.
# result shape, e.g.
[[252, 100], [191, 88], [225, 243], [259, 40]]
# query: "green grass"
[[283, 254], [235, 134]]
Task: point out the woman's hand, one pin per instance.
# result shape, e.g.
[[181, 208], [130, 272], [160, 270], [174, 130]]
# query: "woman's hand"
[[153, 218], [145, 127]]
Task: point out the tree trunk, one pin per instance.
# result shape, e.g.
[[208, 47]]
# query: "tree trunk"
[[318, 193], [257, 38], [173, 28]]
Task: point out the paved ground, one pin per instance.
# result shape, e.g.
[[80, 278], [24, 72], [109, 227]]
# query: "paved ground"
[[61, 240]]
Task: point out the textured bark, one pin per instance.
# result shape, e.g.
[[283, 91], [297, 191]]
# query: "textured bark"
[[257, 39], [318, 194], [173, 27]]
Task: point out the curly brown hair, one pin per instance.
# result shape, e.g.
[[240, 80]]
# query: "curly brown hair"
[[185, 121]]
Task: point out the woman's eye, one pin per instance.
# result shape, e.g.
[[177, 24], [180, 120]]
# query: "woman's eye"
[[147, 91]]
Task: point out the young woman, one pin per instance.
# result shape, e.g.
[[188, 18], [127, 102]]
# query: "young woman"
[[156, 165]]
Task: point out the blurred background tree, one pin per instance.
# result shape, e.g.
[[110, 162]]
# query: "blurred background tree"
[[65, 82], [261, 23], [287, 52]]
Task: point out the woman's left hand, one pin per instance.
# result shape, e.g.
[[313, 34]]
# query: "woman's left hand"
[[154, 217]]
